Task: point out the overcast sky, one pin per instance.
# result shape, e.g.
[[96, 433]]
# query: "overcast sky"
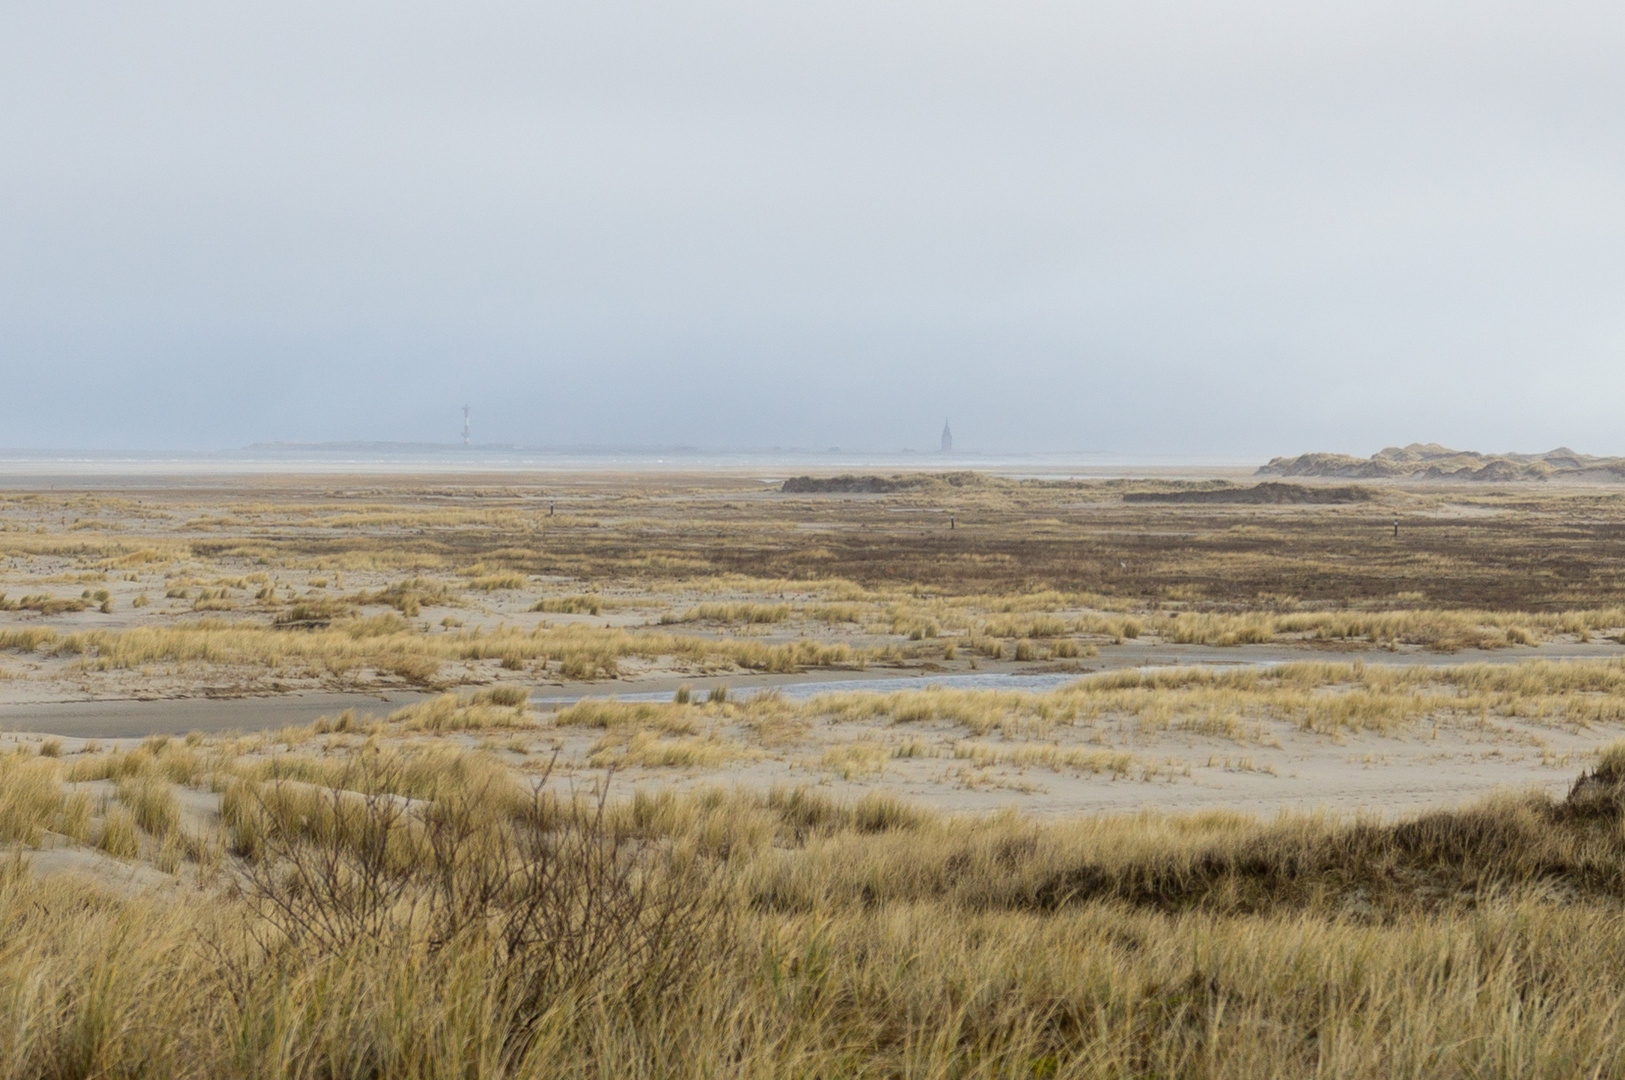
[[1149, 226]]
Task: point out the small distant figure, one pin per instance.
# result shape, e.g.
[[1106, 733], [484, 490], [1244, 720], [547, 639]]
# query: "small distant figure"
[[950, 523], [550, 511], [1396, 528]]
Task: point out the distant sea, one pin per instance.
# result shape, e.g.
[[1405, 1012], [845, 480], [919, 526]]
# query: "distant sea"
[[33, 466]]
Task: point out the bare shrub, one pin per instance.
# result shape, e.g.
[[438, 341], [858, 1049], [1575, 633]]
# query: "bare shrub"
[[326, 865], [556, 898]]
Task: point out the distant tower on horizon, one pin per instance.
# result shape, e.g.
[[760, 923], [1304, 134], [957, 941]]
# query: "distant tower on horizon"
[[465, 425], [947, 439]]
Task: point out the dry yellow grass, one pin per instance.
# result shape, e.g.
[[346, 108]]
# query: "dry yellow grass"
[[654, 715], [649, 750], [732, 613], [806, 936], [856, 759], [386, 643], [151, 802], [1321, 697], [119, 836], [500, 707], [493, 582], [32, 799], [1057, 758]]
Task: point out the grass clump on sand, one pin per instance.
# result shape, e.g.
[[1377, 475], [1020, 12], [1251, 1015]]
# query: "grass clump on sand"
[[409, 597], [151, 802], [33, 800], [647, 749], [579, 604], [497, 707], [120, 836], [494, 582], [672, 718], [1056, 758], [732, 613], [856, 759]]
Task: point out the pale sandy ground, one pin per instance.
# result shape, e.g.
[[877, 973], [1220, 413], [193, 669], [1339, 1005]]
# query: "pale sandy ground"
[[60, 856], [1302, 772], [1277, 767], [1369, 775], [1288, 770]]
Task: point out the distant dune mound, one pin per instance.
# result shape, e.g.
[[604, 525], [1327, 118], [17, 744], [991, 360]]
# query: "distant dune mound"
[[1268, 492], [1430, 461], [849, 484]]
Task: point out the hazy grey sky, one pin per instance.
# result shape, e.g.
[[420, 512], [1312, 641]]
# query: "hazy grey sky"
[[1149, 226]]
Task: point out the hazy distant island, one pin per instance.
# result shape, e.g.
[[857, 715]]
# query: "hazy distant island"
[[386, 447], [1430, 461]]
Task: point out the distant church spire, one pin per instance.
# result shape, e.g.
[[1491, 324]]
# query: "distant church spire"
[[947, 438]]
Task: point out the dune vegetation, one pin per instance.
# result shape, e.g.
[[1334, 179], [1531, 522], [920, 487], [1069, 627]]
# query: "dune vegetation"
[[410, 911], [477, 881]]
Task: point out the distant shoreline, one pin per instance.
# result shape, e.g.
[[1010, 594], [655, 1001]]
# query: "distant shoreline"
[[776, 466]]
